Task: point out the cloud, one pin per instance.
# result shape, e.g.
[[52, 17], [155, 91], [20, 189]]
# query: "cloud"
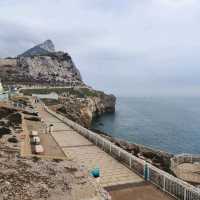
[[15, 38], [177, 3], [145, 45]]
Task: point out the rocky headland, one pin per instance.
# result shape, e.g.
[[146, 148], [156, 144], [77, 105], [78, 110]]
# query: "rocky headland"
[[44, 66]]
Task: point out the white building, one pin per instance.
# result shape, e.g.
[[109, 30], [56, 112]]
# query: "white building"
[[3, 94], [1, 88], [51, 95]]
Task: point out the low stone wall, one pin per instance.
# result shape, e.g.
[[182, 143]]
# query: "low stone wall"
[[186, 167], [183, 158]]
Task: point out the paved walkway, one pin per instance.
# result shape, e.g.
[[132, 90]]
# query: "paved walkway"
[[89, 155], [113, 173], [144, 191]]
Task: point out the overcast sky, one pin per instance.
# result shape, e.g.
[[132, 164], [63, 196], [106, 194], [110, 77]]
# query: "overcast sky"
[[127, 47]]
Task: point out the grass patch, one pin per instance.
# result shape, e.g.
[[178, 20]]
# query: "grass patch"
[[79, 92], [29, 92]]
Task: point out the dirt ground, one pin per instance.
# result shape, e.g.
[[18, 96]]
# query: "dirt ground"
[[51, 148], [143, 191], [37, 179]]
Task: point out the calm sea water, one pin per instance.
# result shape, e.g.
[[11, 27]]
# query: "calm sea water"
[[171, 124]]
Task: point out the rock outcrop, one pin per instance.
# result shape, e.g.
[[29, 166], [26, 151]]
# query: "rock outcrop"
[[83, 105], [40, 65]]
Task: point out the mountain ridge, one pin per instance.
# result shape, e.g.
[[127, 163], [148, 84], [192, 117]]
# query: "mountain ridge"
[[40, 49], [41, 64]]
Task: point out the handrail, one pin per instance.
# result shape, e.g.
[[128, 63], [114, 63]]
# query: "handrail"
[[165, 181]]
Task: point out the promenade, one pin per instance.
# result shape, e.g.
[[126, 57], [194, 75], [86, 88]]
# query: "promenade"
[[86, 153], [115, 176]]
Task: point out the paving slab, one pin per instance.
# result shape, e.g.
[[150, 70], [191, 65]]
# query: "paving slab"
[[112, 172], [143, 191], [69, 138]]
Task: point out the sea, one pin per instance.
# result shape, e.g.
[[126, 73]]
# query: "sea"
[[171, 124]]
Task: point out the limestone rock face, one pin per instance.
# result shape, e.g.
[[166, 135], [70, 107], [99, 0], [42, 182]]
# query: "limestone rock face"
[[55, 68], [83, 109], [8, 70], [40, 65]]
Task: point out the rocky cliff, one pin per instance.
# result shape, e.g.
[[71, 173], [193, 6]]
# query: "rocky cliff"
[[82, 105], [40, 65]]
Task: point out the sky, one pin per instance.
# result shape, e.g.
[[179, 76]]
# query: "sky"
[[128, 48]]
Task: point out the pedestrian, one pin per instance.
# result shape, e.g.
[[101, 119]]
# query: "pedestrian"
[[50, 128]]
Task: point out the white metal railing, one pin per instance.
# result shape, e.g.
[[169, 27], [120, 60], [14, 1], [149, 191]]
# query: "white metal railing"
[[166, 182]]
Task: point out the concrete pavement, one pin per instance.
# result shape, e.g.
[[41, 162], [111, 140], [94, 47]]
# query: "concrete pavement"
[[87, 154]]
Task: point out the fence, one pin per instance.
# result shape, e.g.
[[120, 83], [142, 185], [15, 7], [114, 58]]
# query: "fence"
[[166, 182]]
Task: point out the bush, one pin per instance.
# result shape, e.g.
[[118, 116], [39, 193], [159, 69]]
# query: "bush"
[[15, 119], [4, 131], [13, 140], [32, 118]]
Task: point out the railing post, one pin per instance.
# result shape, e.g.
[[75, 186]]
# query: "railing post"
[[185, 194], [96, 140], [110, 147], [130, 162], [146, 175], [163, 183]]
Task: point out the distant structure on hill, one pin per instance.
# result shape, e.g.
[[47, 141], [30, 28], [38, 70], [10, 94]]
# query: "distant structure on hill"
[[1, 88]]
